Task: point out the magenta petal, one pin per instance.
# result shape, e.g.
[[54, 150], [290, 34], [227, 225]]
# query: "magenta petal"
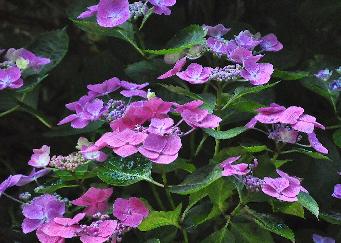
[[315, 143], [91, 11], [177, 68], [125, 150], [337, 191], [112, 13], [291, 115]]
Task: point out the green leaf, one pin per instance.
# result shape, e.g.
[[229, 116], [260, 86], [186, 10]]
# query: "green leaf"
[[272, 224], [228, 134], [153, 241], [337, 138], [181, 91], [82, 172], [278, 163], [146, 70], [158, 219], [250, 233], [255, 149], [309, 203], [220, 236], [294, 208], [312, 154], [67, 130], [186, 38], [198, 180], [331, 217], [288, 75], [177, 164], [119, 171], [53, 187]]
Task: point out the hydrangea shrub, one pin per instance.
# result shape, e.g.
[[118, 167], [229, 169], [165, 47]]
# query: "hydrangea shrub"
[[138, 132]]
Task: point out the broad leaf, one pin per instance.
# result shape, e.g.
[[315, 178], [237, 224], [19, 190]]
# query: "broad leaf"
[[255, 148], [186, 38], [221, 236], [309, 203], [312, 154], [337, 138], [158, 219], [67, 130], [177, 164], [53, 187], [272, 224], [288, 75], [331, 217], [119, 171], [182, 91], [228, 134], [250, 233], [198, 180], [295, 208]]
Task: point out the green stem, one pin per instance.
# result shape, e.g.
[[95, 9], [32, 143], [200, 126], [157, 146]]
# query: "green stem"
[[185, 235], [157, 197], [168, 194], [9, 111], [201, 144], [154, 182], [219, 100], [333, 127], [12, 198]]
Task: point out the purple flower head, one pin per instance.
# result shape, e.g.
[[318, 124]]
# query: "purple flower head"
[[216, 31], [34, 175], [87, 110], [162, 6], [284, 133], [130, 211], [195, 74], [335, 85], [238, 169], [123, 143], [247, 40], [337, 191], [107, 87], [324, 74], [270, 43], [12, 180], [217, 46], [196, 117], [40, 157], [161, 149], [257, 73], [322, 239], [111, 13], [95, 200], [34, 61], [177, 68], [41, 210], [243, 56], [98, 232], [230, 72], [10, 78], [89, 12], [63, 227], [306, 124], [83, 144], [131, 89], [161, 126]]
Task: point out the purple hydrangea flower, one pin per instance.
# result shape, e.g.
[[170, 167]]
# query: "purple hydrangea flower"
[[10, 78], [131, 89], [12, 180], [34, 175], [284, 134], [195, 74], [337, 191], [217, 46], [335, 85], [270, 43], [247, 40], [41, 210], [322, 239], [238, 169], [34, 61], [216, 31], [161, 149], [162, 6], [89, 12], [324, 74], [107, 87], [177, 68], [111, 13], [257, 73], [84, 144], [243, 56], [161, 126], [98, 232], [40, 157], [130, 211]]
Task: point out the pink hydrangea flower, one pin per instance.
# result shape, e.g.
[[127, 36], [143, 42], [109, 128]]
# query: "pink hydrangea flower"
[[337, 191], [63, 227], [40, 157], [34, 61], [270, 43], [162, 6], [195, 74], [98, 232], [284, 188], [95, 200], [123, 143], [247, 40], [322, 239], [10, 78], [257, 73], [161, 126], [111, 13], [89, 12], [41, 210], [161, 149], [238, 169], [130, 211], [83, 144], [44, 238], [217, 30], [177, 68], [196, 117]]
